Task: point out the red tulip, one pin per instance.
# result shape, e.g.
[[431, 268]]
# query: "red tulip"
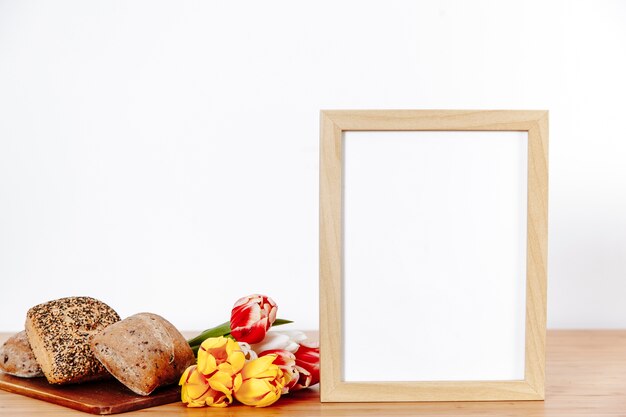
[[304, 379], [308, 365], [251, 317]]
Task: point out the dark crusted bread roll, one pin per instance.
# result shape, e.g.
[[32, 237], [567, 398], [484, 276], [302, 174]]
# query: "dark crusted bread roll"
[[16, 357], [143, 352], [58, 332]]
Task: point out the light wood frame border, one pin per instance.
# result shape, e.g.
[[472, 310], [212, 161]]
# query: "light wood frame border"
[[333, 124]]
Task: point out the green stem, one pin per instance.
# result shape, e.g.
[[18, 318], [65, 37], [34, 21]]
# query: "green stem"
[[216, 331], [221, 330]]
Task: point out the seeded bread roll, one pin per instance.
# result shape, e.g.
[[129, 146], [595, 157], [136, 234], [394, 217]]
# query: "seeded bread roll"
[[58, 332], [143, 352], [16, 357]]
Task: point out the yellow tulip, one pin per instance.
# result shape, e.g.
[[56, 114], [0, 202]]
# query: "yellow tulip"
[[262, 382], [199, 390], [216, 376], [194, 387], [220, 354]]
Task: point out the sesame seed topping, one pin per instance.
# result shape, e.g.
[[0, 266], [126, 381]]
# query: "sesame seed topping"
[[64, 327]]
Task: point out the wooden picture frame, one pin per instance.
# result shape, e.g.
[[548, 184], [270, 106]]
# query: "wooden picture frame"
[[334, 124]]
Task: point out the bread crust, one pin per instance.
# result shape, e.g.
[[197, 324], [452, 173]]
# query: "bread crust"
[[17, 358], [143, 352], [58, 332]]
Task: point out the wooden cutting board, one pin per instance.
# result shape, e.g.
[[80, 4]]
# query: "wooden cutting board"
[[100, 397]]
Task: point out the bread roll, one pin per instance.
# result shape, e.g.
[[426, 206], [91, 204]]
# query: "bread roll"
[[16, 357], [143, 352], [58, 332]]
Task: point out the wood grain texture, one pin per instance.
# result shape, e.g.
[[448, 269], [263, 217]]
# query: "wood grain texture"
[[359, 120], [98, 397], [537, 254], [330, 252], [333, 124], [585, 376]]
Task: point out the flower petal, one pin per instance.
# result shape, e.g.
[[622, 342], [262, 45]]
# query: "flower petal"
[[206, 362], [251, 317], [252, 390], [256, 367], [304, 379]]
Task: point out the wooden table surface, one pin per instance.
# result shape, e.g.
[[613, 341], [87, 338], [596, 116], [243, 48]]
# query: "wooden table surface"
[[585, 375]]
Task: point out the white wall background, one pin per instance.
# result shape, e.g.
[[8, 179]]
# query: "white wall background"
[[163, 155]]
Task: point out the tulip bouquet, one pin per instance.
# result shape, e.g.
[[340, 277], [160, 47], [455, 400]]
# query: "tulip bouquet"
[[241, 360]]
